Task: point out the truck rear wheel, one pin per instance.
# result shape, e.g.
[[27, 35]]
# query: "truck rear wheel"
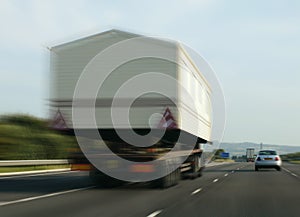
[[200, 172], [197, 166], [168, 180], [102, 180]]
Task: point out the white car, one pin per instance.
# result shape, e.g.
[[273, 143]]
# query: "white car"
[[268, 159]]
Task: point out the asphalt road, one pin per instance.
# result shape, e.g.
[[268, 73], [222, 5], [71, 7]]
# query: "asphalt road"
[[225, 190]]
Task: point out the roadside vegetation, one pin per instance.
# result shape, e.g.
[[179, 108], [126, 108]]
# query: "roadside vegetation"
[[292, 157], [24, 137]]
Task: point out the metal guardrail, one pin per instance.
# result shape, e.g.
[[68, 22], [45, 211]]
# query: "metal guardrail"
[[32, 162]]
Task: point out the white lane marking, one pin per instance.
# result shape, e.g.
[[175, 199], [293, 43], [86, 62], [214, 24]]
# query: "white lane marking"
[[286, 170], [31, 172], [44, 196], [293, 174], [226, 174], [232, 171], [154, 213], [196, 191], [216, 180], [40, 174]]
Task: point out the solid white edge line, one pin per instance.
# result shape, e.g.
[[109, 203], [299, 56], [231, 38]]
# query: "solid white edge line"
[[286, 169], [154, 213], [196, 191], [44, 196], [293, 174], [37, 173], [216, 180]]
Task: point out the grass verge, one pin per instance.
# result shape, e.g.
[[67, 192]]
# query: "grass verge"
[[224, 160], [294, 161]]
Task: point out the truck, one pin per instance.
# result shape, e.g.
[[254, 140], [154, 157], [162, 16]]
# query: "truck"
[[250, 155], [180, 124]]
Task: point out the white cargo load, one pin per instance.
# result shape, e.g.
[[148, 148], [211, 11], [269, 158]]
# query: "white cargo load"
[[69, 60]]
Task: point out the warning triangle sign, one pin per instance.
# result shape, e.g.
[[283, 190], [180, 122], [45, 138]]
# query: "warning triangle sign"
[[59, 122], [167, 121]]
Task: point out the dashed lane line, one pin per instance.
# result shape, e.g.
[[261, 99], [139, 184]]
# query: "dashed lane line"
[[196, 191], [154, 213]]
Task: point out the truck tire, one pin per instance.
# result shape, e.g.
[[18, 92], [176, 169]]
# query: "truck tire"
[[200, 172], [168, 180], [196, 166], [177, 176], [102, 180]]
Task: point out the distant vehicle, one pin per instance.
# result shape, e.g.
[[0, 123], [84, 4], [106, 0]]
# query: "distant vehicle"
[[250, 155], [268, 159]]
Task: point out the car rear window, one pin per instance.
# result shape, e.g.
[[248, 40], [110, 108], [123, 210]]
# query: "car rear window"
[[267, 153]]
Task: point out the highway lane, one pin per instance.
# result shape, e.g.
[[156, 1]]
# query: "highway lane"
[[24, 186], [130, 199], [225, 190], [246, 193]]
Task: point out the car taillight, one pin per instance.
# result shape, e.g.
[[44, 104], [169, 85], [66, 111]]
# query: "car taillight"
[[276, 158], [258, 159]]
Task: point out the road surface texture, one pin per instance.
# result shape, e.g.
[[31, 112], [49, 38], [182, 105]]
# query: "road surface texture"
[[231, 190]]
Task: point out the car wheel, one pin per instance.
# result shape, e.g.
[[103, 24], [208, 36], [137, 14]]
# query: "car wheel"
[[256, 168], [278, 168]]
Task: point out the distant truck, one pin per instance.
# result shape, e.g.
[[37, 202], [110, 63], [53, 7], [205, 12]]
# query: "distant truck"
[[250, 154], [67, 62]]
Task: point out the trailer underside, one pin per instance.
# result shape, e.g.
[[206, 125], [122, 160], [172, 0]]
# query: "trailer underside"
[[187, 147]]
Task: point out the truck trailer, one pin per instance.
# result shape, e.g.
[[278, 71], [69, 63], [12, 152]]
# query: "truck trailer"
[[185, 121], [250, 154]]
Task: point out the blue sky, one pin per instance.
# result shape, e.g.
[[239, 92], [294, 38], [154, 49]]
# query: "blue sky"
[[254, 47]]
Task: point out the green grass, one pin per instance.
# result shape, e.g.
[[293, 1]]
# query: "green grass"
[[7, 169], [295, 161], [224, 160], [24, 137]]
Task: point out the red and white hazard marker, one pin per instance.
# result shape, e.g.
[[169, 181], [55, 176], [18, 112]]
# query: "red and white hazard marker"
[[168, 121], [59, 122]]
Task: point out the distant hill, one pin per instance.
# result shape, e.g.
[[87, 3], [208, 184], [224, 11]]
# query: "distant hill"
[[240, 148]]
